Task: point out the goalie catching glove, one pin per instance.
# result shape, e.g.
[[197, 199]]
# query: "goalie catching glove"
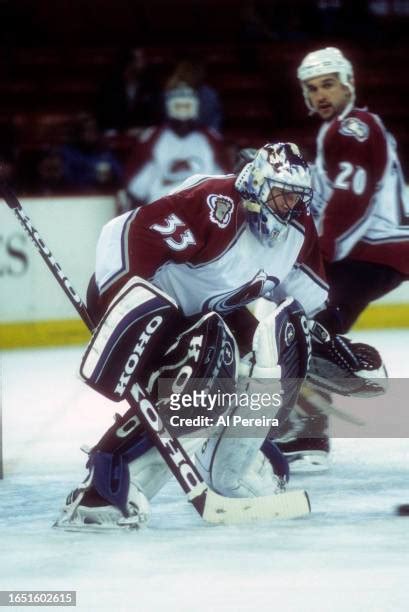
[[339, 365]]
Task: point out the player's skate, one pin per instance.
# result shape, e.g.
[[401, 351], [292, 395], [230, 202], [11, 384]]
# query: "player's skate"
[[86, 509], [306, 444]]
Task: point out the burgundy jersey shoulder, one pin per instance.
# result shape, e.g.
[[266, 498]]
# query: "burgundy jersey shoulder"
[[194, 225], [358, 139]]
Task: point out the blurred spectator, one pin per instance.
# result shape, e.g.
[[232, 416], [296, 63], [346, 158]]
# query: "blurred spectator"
[[89, 165], [166, 155], [130, 98], [192, 74], [41, 172], [82, 165]]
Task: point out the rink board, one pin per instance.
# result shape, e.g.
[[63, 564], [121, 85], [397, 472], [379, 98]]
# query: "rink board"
[[34, 311]]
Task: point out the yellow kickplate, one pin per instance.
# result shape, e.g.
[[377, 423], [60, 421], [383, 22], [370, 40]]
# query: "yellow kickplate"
[[43, 333], [73, 331], [384, 316]]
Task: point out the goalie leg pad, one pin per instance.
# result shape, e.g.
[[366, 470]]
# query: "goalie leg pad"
[[232, 463], [125, 454], [110, 458], [123, 457], [281, 348], [203, 359], [125, 470], [235, 467], [229, 461], [135, 328], [281, 343], [143, 467]]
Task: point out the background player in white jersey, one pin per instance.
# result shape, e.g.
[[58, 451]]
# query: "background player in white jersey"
[[165, 155], [170, 291], [360, 205]]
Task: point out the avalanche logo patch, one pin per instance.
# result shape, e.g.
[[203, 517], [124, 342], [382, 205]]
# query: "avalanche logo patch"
[[354, 127], [289, 334], [221, 209], [228, 354]]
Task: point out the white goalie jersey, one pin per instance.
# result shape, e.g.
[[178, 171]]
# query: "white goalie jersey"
[[197, 247]]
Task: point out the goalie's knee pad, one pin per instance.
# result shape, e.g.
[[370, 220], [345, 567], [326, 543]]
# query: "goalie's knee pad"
[[133, 332]]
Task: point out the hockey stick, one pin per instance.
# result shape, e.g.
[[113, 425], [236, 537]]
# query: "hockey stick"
[[211, 506]]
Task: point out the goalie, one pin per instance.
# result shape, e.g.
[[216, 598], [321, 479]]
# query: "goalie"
[[171, 287]]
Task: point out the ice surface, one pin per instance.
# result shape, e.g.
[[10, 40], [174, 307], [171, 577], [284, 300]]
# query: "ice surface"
[[350, 554]]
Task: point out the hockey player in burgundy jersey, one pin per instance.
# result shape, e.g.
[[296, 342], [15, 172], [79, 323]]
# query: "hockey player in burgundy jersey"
[[172, 284], [360, 205]]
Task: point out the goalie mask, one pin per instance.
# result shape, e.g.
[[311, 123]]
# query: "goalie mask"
[[276, 188], [326, 61]]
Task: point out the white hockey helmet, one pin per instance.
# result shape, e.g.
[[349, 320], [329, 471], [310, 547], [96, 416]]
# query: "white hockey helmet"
[[281, 166], [326, 61]]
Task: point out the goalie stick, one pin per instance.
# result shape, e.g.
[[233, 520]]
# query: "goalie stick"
[[211, 506]]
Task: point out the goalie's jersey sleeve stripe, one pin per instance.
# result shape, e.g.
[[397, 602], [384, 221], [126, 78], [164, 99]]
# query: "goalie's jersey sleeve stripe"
[[298, 226], [114, 241], [386, 240], [307, 270]]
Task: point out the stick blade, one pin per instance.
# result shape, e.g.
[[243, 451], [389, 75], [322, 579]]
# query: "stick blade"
[[216, 509]]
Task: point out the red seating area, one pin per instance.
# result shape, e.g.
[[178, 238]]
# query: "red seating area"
[[42, 87]]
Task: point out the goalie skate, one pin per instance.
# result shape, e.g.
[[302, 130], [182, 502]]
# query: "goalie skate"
[[306, 455], [77, 515], [306, 444]]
